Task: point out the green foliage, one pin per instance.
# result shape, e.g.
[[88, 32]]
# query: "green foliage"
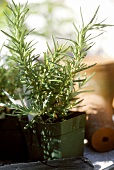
[[52, 87], [2, 17], [8, 78], [7, 82]]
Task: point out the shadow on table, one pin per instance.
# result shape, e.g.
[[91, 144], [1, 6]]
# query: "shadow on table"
[[100, 160]]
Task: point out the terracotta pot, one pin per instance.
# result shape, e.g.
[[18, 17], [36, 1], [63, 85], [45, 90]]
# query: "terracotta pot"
[[98, 104], [103, 80], [99, 123]]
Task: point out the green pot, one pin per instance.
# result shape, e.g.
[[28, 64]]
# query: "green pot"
[[57, 140]]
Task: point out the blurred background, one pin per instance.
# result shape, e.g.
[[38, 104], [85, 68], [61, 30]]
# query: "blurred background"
[[55, 17]]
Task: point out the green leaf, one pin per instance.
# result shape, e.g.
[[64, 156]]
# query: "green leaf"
[[14, 39]]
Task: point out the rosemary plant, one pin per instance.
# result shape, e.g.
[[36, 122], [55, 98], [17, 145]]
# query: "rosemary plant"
[[50, 85]]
